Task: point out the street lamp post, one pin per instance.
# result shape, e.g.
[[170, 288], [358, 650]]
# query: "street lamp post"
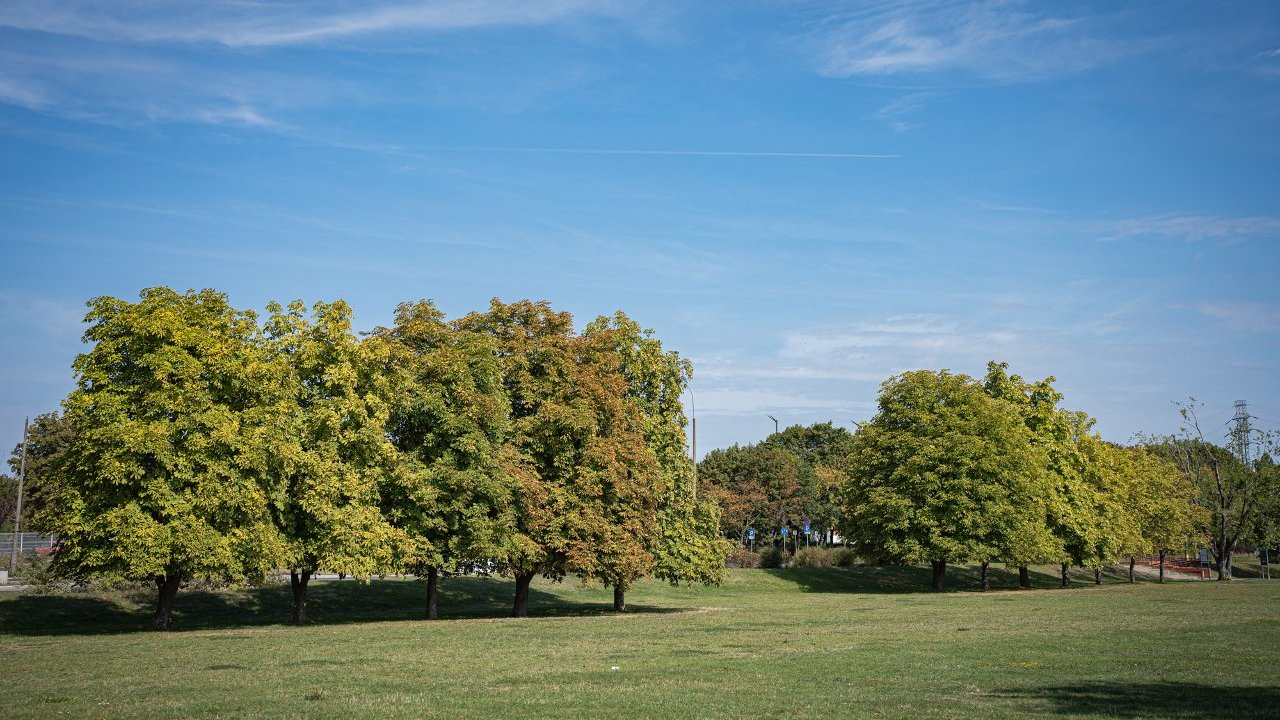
[[775, 423], [16, 548], [693, 408]]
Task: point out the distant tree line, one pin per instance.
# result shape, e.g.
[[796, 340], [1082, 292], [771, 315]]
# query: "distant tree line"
[[953, 469], [204, 442]]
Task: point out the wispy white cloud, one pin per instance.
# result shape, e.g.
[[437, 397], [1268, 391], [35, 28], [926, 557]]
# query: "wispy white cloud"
[[128, 87], [882, 347], [751, 402], [1191, 228], [41, 316], [1253, 317], [863, 353], [673, 153], [22, 93], [132, 62], [994, 40], [896, 112], [253, 24]]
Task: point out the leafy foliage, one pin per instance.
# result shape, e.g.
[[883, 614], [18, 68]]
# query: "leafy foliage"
[[588, 486], [47, 437], [329, 452], [161, 479], [822, 449], [1235, 495], [757, 486], [685, 544], [449, 421], [943, 472]]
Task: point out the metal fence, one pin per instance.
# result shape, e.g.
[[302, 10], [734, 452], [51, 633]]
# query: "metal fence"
[[31, 542]]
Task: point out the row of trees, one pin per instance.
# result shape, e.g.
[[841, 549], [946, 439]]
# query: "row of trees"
[[957, 469], [200, 442]]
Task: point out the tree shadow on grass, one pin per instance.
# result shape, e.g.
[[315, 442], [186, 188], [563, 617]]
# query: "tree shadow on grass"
[[919, 579], [1180, 701], [329, 603]]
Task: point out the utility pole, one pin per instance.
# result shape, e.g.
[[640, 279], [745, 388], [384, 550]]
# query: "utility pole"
[[16, 548]]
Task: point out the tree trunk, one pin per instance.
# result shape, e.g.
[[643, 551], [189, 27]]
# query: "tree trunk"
[[167, 587], [298, 580], [986, 575], [1162, 567], [1066, 575], [521, 608], [1224, 566], [939, 573], [1024, 577], [619, 598], [1131, 561], [433, 577], [1097, 576]]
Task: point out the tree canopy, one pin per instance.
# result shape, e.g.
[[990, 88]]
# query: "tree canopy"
[[942, 473], [162, 480], [329, 452], [588, 486]]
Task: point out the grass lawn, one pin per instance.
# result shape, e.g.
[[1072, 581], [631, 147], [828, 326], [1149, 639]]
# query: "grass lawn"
[[802, 643]]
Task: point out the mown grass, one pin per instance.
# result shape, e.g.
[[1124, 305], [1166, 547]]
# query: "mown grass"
[[810, 642]]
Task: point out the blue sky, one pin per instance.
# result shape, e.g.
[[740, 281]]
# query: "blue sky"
[[803, 198]]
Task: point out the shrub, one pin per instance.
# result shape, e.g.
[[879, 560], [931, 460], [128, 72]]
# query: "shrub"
[[36, 570], [843, 557], [742, 558], [815, 557], [772, 557]]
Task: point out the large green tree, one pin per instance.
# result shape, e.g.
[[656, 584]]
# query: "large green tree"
[[588, 485], [161, 479], [685, 543], [943, 472], [1069, 503], [330, 454], [449, 421]]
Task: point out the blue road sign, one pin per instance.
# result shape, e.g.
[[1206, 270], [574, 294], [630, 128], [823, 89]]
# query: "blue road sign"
[[751, 534], [784, 532], [806, 527]]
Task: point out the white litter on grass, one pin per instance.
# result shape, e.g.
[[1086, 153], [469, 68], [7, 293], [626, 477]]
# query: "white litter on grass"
[[615, 667]]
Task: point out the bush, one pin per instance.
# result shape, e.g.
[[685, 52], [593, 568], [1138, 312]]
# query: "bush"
[[843, 557], [36, 570], [743, 558], [772, 557], [815, 557]]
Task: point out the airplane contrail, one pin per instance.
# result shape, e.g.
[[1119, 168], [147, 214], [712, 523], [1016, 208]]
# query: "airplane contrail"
[[704, 153]]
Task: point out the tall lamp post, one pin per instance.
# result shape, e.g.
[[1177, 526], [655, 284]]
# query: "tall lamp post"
[[17, 517], [693, 407], [775, 423]]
